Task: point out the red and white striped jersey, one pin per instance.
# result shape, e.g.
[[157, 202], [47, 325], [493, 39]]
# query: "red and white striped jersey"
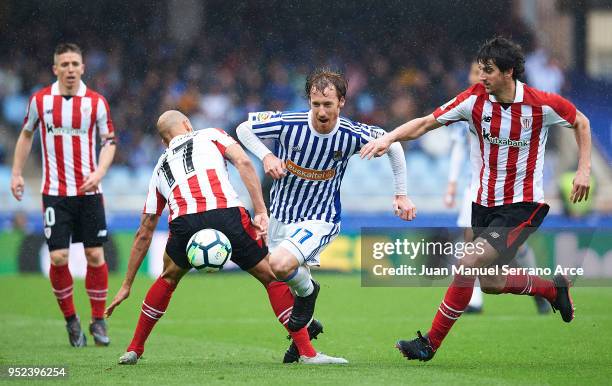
[[68, 136], [191, 176], [507, 148]]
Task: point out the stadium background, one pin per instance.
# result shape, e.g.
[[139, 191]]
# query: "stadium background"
[[217, 60]]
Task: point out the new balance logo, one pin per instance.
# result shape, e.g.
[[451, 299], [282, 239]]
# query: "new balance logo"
[[102, 233], [486, 118], [296, 149]]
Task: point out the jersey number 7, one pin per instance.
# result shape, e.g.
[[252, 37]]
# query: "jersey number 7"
[[306, 234]]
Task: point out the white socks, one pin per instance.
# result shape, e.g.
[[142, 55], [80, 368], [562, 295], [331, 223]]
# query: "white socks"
[[476, 300], [299, 282]]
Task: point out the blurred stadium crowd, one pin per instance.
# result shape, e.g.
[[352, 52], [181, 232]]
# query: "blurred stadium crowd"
[[229, 71]]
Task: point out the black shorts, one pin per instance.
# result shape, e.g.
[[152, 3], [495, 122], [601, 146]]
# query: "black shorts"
[[80, 218], [235, 223], [507, 227]]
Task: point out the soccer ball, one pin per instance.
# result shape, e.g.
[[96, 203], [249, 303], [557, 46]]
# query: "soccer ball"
[[208, 250]]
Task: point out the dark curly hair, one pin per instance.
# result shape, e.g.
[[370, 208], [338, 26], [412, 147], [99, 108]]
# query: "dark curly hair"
[[505, 54], [323, 77]]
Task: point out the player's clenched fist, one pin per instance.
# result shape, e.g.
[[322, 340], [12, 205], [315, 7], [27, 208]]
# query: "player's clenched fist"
[[274, 167], [404, 208], [375, 148], [17, 186]]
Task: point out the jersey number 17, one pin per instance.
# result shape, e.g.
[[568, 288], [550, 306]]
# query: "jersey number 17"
[[187, 149]]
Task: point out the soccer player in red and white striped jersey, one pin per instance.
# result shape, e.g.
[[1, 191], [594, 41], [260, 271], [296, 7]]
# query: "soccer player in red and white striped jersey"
[[509, 122], [69, 115], [191, 178]]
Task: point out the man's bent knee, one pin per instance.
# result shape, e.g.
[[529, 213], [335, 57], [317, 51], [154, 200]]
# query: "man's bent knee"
[[283, 265], [492, 284], [263, 272], [172, 276], [471, 261], [59, 257], [172, 273], [95, 256]]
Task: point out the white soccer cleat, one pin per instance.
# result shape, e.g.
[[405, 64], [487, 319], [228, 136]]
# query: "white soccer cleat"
[[129, 358], [322, 359]]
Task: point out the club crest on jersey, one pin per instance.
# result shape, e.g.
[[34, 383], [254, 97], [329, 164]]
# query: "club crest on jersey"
[[47, 232], [85, 110], [337, 155], [526, 122], [264, 116]]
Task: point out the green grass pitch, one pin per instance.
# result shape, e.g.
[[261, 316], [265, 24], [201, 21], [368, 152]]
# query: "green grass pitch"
[[220, 329]]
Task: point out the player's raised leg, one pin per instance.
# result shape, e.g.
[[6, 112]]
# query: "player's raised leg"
[[556, 291], [454, 304], [525, 257], [96, 285], [287, 268], [282, 301], [295, 246], [153, 308]]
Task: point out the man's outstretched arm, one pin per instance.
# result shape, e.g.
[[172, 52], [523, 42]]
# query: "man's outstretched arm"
[[142, 242], [408, 131]]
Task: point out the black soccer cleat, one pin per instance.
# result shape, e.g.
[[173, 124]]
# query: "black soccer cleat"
[[418, 348], [292, 355], [563, 302], [75, 334], [303, 309], [97, 328]]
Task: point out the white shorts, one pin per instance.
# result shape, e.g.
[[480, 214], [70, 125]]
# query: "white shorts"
[[305, 240], [465, 212]]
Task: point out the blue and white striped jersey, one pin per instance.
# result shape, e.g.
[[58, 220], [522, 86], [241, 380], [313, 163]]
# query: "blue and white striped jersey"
[[315, 163]]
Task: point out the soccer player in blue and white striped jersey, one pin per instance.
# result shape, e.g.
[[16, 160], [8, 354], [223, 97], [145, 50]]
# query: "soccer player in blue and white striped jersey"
[[311, 155]]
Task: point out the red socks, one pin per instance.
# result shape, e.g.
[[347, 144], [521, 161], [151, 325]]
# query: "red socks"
[[153, 308], [460, 291], [61, 282], [281, 300], [455, 301], [96, 284], [530, 285], [158, 297]]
